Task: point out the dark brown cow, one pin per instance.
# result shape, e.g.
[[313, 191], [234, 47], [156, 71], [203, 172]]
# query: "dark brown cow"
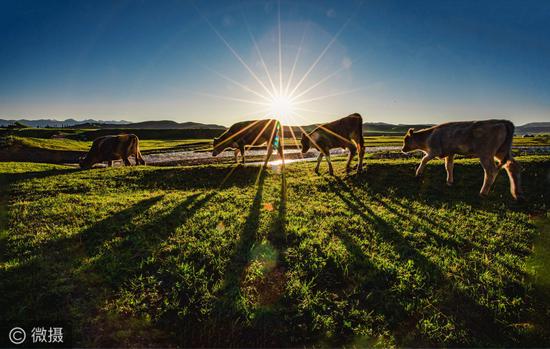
[[489, 140], [342, 133], [250, 133], [110, 148]]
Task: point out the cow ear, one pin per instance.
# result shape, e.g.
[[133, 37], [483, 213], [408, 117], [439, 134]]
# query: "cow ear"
[[410, 131]]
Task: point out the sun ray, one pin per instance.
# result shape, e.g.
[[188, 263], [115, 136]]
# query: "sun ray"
[[242, 100], [295, 140], [298, 53], [325, 129], [260, 134], [239, 58], [280, 53], [224, 142], [258, 52], [318, 83], [321, 55], [244, 87], [327, 96]]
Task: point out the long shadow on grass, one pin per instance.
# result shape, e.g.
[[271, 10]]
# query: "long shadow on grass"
[[399, 180], [46, 272], [85, 270], [227, 313], [477, 319]]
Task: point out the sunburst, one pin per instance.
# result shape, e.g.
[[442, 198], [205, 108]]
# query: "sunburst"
[[281, 98]]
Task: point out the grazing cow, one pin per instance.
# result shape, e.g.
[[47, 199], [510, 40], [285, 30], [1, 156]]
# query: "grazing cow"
[[488, 140], [253, 132], [110, 148], [342, 133]]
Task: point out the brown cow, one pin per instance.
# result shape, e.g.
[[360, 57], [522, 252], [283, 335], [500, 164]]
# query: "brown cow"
[[110, 148], [342, 133], [488, 140], [253, 132]]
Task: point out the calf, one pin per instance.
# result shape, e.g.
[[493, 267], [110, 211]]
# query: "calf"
[[253, 132], [489, 140], [110, 148], [343, 133]]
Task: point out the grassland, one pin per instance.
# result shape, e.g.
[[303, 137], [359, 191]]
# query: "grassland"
[[224, 256], [146, 145], [157, 145]]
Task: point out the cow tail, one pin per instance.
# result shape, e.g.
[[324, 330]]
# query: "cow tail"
[[506, 146]]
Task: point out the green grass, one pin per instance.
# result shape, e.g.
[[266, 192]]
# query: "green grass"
[[177, 256], [146, 145], [153, 145]]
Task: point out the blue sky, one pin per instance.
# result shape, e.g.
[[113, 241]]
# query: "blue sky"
[[392, 61]]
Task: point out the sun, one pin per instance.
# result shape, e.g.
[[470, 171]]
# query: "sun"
[[282, 108]]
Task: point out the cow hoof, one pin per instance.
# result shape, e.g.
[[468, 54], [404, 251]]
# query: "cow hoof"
[[520, 199], [449, 184], [483, 195]]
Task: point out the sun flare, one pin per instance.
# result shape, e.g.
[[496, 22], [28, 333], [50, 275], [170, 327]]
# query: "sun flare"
[[282, 108]]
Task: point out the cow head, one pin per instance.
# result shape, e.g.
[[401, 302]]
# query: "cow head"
[[409, 143], [84, 162], [305, 143]]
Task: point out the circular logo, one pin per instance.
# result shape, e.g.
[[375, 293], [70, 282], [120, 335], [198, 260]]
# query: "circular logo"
[[17, 335]]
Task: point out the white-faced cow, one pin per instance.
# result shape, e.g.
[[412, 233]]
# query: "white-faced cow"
[[251, 133], [344, 133], [111, 148], [489, 140]]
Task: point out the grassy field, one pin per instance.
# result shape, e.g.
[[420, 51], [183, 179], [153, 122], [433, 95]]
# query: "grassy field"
[[146, 145], [155, 145], [224, 256]]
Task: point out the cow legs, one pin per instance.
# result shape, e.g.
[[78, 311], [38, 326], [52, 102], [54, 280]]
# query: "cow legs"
[[361, 156], [491, 171], [110, 163], [126, 162], [422, 165], [282, 155], [319, 158], [139, 159], [236, 152], [449, 166], [513, 169], [330, 170], [351, 154], [268, 155], [241, 149]]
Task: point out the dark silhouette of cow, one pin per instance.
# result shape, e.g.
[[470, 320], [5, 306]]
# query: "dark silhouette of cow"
[[489, 140], [342, 133], [111, 148], [250, 133]]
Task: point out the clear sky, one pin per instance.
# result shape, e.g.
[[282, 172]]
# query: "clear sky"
[[222, 61]]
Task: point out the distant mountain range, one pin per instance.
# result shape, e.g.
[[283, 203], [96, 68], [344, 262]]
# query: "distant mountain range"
[[59, 123], [371, 127], [90, 123]]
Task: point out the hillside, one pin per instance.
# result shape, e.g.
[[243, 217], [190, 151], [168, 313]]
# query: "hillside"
[[59, 123]]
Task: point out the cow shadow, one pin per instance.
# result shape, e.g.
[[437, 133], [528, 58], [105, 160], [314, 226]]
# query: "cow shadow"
[[400, 181], [480, 322], [89, 267]]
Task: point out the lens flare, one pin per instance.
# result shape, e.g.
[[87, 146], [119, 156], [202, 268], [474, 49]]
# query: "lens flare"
[[282, 108]]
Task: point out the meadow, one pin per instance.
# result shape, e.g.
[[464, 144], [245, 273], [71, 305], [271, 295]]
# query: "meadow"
[[163, 142], [221, 255]]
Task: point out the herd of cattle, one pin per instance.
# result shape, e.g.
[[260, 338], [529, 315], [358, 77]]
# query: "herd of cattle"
[[488, 140]]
